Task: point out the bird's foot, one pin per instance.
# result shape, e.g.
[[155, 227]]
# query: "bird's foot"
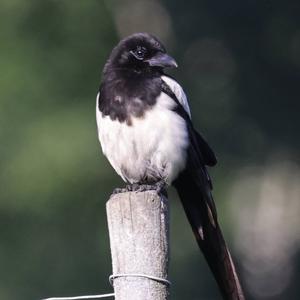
[[159, 187], [134, 187], [119, 191]]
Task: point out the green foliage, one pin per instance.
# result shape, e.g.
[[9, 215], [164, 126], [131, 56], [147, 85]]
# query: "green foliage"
[[240, 67]]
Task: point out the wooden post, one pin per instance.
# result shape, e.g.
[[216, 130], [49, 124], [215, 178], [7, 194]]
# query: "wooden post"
[[138, 225]]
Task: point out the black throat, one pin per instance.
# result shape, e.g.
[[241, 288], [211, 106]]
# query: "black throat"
[[127, 93]]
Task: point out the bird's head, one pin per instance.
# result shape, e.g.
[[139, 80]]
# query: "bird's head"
[[140, 51]]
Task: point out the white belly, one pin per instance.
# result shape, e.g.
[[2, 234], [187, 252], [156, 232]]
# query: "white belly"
[[152, 148]]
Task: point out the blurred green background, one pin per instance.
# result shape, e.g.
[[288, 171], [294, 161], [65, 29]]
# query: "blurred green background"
[[239, 62]]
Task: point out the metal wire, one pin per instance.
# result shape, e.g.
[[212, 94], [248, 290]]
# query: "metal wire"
[[158, 279], [82, 297]]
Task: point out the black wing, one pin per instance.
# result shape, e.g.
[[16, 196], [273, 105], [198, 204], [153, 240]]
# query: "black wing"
[[203, 149], [194, 188]]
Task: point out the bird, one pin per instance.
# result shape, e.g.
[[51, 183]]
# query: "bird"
[[146, 132]]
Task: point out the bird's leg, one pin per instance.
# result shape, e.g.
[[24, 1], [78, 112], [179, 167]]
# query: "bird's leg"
[[132, 187]]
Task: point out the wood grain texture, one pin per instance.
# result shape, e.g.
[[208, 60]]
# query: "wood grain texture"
[[139, 239]]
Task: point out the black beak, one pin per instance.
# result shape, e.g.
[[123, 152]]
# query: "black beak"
[[162, 60]]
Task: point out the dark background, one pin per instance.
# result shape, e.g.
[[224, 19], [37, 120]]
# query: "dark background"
[[239, 64]]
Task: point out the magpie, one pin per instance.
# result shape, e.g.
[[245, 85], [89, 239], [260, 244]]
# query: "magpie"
[[146, 132]]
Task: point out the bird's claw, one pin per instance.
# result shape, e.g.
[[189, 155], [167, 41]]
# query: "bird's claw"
[[159, 187], [119, 191]]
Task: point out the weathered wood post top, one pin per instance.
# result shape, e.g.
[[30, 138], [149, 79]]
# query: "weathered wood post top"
[[138, 225]]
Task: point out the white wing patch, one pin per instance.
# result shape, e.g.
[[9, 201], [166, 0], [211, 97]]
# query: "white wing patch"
[[179, 93]]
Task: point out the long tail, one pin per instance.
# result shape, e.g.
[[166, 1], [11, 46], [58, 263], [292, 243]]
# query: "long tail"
[[199, 207]]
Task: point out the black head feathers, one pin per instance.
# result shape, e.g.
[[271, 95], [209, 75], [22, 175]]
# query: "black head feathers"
[[140, 51]]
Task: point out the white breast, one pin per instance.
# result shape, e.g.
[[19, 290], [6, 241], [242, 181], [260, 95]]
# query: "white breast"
[[152, 148]]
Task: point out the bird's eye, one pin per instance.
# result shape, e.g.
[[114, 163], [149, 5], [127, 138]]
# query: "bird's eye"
[[139, 53]]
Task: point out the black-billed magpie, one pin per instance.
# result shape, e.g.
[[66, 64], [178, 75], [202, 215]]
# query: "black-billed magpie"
[[145, 130]]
